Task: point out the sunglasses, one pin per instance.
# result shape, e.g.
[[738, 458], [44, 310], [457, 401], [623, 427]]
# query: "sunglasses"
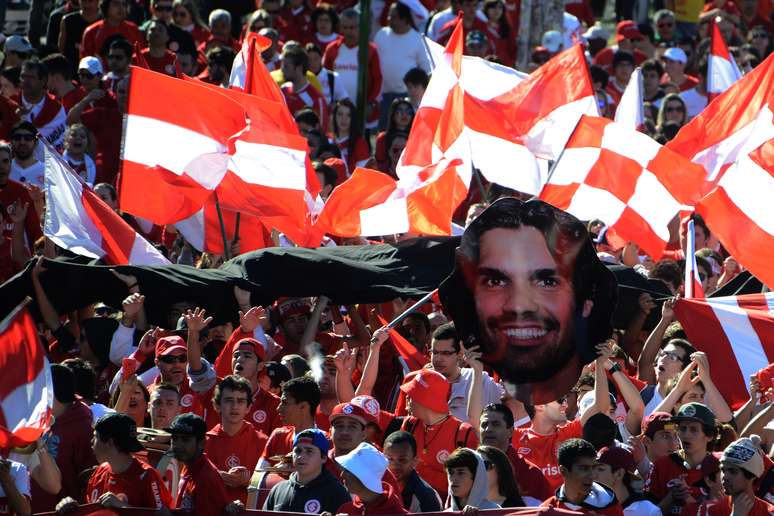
[[671, 355], [102, 311], [171, 359], [85, 75], [665, 25], [167, 8], [26, 137]]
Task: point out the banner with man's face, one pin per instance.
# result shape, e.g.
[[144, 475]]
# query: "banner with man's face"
[[529, 290]]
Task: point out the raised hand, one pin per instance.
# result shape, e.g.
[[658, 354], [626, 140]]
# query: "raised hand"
[[132, 305], [147, 345], [380, 336], [252, 318], [195, 319], [344, 359], [668, 309], [17, 212], [472, 357]]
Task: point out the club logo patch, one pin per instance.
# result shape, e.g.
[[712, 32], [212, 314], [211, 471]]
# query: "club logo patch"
[[259, 416], [187, 400], [441, 456], [312, 507]]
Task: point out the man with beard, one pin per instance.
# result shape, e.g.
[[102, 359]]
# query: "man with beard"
[[37, 105], [25, 167], [542, 298], [496, 429]]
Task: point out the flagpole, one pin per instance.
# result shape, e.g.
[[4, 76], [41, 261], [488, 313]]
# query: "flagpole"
[[558, 159], [236, 227], [408, 311], [226, 246]]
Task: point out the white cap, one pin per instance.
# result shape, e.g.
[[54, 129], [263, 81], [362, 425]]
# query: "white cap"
[[676, 54], [367, 464], [552, 40], [597, 31], [92, 64]]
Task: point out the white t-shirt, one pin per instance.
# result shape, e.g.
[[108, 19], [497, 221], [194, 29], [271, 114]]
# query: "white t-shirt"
[[34, 174], [642, 508], [346, 66], [399, 53], [458, 401], [695, 102], [339, 91], [21, 478]]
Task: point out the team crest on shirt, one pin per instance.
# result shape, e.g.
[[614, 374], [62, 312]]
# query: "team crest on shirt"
[[232, 461], [312, 507], [259, 416], [187, 400], [95, 495], [441, 456], [524, 451]]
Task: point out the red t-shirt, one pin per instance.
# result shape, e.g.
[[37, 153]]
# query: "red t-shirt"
[[532, 482], [612, 510], [105, 122], [139, 486], [388, 503], [262, 414], [201, 488], [297, 26], [434, 445], [98, 32], [540, 449], [669, 468], [72, 97], [280, 443], [229, 451], [306, 96], [723, 508], [9, 194], [164, 64]]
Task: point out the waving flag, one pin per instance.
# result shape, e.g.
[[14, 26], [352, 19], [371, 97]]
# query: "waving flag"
[[202, 230], [693, 288], [624, 178], [629, 112], [737, 333], [722, 70], [178, 152], [733, 139], [79, 221], [26, 390]]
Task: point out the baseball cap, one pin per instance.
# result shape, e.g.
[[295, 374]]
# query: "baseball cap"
[[588, 400], [429, 388], [676, 54], [617, 458], [168, 345], [92, 65], [315, 437], [367, 464], [552, 40], [370, 405], [277, 372], [627, 29], [697, 412], [189, 424], [745, 454], [596, 31], [339, 166], [255, 346], [121, 428], [656, 422], [18, 44], [476, 37], [293, 306], [349, 410]]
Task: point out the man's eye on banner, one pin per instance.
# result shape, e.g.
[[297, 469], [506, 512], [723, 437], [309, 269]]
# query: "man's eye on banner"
[[529, 290]]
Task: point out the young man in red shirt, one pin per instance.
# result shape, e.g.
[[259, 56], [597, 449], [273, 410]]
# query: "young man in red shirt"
[[436, 432], [298, 92], [234, 446], [577, 459], [298, 404], [201, 487], [121, 480], [362, 470], [157, 56], [113, 22]]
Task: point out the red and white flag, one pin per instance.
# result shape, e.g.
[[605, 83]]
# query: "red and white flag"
[[26, 389], [178, 152], [733, 139], [624, 178], [736, 333], [692, 281], [79, 221], [202, 230], [629, 112], [722, 70], [249, 74]]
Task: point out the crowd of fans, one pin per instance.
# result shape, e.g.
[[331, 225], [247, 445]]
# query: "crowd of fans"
[[307, 407]]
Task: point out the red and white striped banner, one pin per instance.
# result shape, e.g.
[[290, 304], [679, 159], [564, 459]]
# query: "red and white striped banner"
[[736, 333], [722, 70]]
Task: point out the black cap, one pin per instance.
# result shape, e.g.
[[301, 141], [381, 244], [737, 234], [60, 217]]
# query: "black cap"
[[181, 329], [189, 424], [121, 428], [278, 373], [697, 412]]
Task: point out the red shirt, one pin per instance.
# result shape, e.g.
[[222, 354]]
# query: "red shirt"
[[262, 415], [106, 123], [388, 503], [164, 64], [72, 97], [612, 510], [532, 482], [8, 116], [201, 488], [540, 449], [434, 445], [139, 486], [306, 96], [669, 468], [280, 443], [98, 32], [229, 451], [723, 508], [689, 82], [297, 25], [9, 194]]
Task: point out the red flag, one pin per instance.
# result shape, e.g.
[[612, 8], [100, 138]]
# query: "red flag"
[[26, 390], [618, 175], [737, 333], [722, 70], [414, 359], [202, 230]]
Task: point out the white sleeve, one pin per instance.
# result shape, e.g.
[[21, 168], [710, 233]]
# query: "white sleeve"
[[493, 391], [121, 343], [21, 478], [423, 61]]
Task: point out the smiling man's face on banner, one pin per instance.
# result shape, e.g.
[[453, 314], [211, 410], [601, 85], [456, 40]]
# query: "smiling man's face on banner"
[[526, 285]]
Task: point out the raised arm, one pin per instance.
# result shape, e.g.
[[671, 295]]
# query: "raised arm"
[[314, 323], [196, 320], [715, 400], [371, 368], [645, 370], [601, 389]]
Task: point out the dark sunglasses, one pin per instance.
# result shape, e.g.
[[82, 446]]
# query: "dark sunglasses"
[[26, 137], [171, 359], [115, 57], [85, 74], [102, 311], [167, 8], [666, 24]]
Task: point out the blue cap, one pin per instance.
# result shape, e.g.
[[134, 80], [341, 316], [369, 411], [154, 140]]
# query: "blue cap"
[[315, 437]]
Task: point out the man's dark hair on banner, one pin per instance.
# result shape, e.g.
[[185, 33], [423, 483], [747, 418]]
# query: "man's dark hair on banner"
[[529, 290]]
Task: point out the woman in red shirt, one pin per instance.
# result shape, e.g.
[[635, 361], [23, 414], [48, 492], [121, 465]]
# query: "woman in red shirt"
[[186, 16], [354, 148], [500, 32]]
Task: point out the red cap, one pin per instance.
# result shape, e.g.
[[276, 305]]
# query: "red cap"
[[617, 458], [370, 405], [253, 345], [627, 29], [429, 388], [656, 422], [169, 345], [339, 166], [349, 410], [288, 306]]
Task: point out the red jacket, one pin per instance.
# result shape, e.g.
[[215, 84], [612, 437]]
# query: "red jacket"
[[201, 488], [374, 67], [297, 26], [388, 503], [600, 501]]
